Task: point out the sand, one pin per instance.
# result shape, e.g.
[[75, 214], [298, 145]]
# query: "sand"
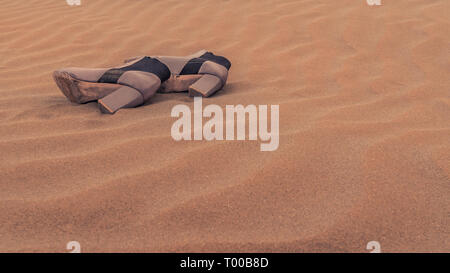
[[364, 149]]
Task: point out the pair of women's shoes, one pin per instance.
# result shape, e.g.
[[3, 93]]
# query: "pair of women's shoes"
[[130, 85]]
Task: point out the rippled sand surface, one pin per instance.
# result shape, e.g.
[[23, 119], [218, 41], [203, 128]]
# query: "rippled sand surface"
[[364, 155]]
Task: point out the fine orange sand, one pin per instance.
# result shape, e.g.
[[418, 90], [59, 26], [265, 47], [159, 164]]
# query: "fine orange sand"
[[364, 149]]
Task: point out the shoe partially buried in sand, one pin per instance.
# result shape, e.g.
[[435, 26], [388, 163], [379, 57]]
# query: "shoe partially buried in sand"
[[130, 85]]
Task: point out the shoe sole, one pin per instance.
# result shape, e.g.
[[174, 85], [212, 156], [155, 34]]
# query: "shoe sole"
[[78, 91]]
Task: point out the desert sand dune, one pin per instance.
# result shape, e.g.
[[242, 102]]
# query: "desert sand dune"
[[364, 151]]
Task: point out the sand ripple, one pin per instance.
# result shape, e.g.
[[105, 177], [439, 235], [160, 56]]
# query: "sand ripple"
[[365, 130]]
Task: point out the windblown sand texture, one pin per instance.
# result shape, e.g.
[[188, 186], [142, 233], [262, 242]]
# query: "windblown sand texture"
[[364, 95]]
